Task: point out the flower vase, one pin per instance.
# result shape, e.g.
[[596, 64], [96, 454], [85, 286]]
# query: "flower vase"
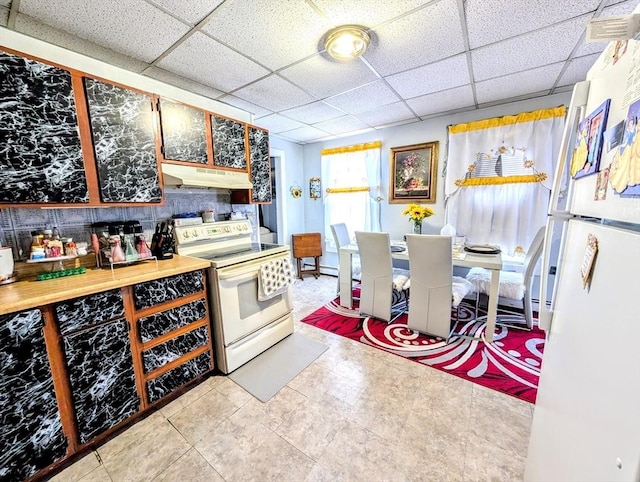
[[417, 227]]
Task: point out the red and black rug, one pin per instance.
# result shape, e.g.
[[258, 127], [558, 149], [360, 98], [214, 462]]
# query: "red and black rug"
[[510, 364]]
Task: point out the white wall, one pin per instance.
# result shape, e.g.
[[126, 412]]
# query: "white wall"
[[426, 131]]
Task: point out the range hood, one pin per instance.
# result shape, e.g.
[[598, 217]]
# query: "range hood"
[[190, 176]]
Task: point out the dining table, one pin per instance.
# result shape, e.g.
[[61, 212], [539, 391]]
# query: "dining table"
[[492, 262]]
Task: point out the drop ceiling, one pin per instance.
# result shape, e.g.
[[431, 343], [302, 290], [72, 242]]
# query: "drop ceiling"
[[427, 58]]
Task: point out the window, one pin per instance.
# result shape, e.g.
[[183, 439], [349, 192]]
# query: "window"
[[499, 174], [351, 177]]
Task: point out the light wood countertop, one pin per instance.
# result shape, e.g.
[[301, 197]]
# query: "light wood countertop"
[[23, 295]]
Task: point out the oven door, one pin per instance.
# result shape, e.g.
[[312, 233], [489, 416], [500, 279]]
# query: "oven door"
[[239, 312]]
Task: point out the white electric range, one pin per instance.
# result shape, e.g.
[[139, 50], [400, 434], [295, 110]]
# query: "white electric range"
[[243, 326]]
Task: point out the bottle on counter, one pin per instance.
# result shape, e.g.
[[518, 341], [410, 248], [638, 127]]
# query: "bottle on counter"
[[130, 252], [117, 253]]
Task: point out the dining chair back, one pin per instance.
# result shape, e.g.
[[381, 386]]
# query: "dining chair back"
[[513, 285], [382, 292], [341, 238], [434, 289]]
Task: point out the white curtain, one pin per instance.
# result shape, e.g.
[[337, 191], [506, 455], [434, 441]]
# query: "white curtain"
[[352, 188], [499, 176]]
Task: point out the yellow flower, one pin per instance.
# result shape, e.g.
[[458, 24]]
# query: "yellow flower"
[[417, 212]]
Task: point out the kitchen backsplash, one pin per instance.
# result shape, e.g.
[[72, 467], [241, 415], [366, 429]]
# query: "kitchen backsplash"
[[16, 224]]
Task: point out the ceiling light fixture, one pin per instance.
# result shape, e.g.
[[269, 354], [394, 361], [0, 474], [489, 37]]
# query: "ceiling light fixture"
[[346, 42]]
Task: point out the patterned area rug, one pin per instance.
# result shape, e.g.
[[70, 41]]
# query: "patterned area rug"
[[511, 364]]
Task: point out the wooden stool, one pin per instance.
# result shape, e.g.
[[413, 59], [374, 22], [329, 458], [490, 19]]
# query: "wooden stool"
[[307, 245]]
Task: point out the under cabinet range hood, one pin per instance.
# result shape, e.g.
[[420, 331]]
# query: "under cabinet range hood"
[[190, 176]]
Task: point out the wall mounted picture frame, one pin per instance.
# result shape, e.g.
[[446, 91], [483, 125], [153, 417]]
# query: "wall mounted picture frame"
[[589, 141], [413, 174], [315, 188]]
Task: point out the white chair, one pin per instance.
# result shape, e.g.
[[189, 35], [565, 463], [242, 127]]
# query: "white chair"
[[513, 285], [341, 238], [434, 289], [382, 290]]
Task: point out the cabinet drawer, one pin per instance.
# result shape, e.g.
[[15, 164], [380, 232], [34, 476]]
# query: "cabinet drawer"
[[175, 348], [168, 382], [161, 290], [89, 310], [153, 326]]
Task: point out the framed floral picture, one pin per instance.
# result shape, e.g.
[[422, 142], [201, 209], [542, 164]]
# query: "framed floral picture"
[[413, 173]]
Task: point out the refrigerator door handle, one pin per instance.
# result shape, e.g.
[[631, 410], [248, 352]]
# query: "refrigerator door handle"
[[575, 113]]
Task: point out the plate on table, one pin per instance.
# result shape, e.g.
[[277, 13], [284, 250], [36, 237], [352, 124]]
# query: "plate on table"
[[397, 249], [482, 249]]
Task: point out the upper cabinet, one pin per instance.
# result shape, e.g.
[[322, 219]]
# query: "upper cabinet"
[[183, 132], [124, 143], [260, 165], [229, 146], [41, 160]]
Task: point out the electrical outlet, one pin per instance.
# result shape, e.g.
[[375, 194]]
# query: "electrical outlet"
[[552, 270]]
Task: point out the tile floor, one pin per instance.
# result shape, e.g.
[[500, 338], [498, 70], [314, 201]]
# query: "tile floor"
[[355, 414]]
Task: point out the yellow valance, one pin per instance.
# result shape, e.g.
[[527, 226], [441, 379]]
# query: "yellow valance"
[[354, 148], [509, 120], [487, 181], [334, 190]]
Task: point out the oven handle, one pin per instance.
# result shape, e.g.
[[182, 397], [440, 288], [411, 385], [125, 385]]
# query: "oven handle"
[[247, 267]]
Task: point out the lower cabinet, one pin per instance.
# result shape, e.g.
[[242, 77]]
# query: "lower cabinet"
[[31, 436], [101, 376], [173, 331]]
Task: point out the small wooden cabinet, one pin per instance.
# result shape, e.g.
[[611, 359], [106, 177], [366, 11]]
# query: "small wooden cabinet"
[[308, 245]]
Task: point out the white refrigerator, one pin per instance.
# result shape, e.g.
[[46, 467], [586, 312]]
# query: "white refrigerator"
[[586, 424]]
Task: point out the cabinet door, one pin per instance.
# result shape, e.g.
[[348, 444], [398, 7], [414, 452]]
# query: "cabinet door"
[[260, 165], [124, 143], [228, 143], [41, 159], [184, 136], [31, 436], [101, 376]]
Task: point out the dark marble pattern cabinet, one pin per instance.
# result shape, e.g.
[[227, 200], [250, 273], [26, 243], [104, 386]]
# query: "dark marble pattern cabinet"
[[41, 158], [174, 331], [31, 436], [183, 132], [229, 149], [124, 143], [260, 165], [101, 375]]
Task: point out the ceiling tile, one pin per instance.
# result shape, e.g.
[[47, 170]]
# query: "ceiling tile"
[[322, 77], [362, 12], [307, 133], [312, 113], [277, 123], [39, 30], [116, 25], [443, 101], [391, 113], [490, 21], [430, 34], [341, 125], [546, 46], [448, 73], [209, 62], [534, 80], [267, 32], [192, 11], [182, 82], [362, 99], [274, 93], [256, 110], [577, 69]]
